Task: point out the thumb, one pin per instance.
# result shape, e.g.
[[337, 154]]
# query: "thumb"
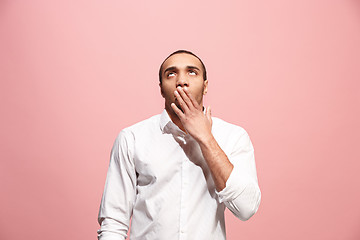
[[208, 113]]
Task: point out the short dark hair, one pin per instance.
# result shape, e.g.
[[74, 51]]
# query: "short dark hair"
[[182, 51]]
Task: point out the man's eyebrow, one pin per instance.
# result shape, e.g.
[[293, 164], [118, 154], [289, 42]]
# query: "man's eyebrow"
[[169, 69], [174, 68], [192, 67]]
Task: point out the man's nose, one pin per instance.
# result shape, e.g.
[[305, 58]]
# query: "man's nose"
[[182, 81]]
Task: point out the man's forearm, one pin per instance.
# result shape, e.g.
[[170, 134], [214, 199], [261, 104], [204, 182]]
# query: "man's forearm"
[[217, 161]]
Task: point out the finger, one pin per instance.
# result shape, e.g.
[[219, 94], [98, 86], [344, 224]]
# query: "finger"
[[193, 101], [185, 97], [178, 112], [181, 101]]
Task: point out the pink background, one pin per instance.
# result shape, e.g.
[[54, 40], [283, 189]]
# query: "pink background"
[[74, 73]]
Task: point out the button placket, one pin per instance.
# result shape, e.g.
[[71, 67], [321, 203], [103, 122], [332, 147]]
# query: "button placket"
[[184, 197]]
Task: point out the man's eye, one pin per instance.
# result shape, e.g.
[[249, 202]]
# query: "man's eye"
[[192, 73], [170, 74]]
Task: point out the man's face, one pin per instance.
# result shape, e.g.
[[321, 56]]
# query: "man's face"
[[182, 70]]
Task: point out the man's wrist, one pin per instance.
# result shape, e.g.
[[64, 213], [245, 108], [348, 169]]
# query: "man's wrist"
[[207, 140]]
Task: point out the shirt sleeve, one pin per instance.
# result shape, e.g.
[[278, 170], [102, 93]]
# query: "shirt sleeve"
[[242, 193], [119, 193]]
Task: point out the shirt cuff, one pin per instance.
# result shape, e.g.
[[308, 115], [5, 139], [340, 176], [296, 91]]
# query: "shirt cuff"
[[235, 185]]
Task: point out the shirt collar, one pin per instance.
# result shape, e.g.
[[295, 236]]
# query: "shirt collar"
[[167, 124], [164, 119]]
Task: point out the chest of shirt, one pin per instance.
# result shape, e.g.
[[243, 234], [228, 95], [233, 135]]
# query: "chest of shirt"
[[162, 156]]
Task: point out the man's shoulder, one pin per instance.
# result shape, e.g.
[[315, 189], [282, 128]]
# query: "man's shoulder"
[[143, 125], [228, 134], [141, 129], [222, 125]]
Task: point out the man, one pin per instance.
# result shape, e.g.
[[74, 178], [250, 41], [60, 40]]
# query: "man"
[[175, 172]]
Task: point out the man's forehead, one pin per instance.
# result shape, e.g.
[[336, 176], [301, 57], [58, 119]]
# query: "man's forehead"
[[182, 60]]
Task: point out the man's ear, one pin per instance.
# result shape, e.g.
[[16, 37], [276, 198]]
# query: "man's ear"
[[205, 87], [161, 90]]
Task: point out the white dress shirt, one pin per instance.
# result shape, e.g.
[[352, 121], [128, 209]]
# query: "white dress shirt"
[[158, 176]]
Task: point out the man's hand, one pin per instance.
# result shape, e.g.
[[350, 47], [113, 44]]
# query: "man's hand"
[[195, 122], [198, 125]]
